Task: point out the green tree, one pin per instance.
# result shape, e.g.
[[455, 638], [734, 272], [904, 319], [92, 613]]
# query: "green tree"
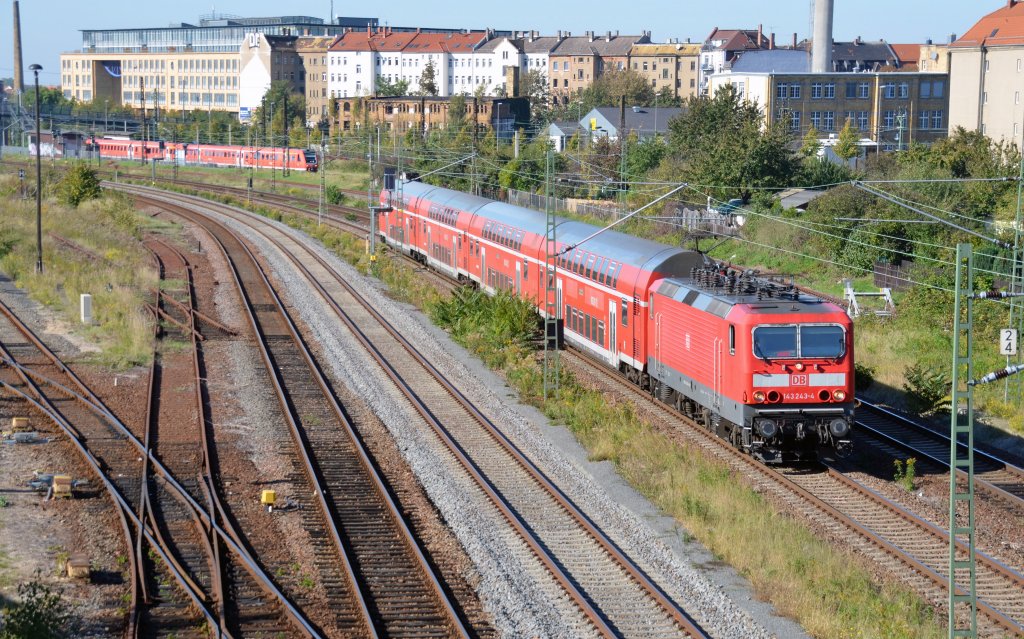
[[534, 85], [78, 184], [428, 81], [457, 112], [846, 146], [724, 143], [811, 143], [388, 89], [39, 613]]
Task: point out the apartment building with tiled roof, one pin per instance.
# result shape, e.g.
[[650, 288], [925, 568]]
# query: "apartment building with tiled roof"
[[579, 60], [986, 72], [672, 66], [357, 59]]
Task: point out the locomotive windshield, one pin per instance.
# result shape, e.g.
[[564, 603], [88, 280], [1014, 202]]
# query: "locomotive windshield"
[[310, 156], [784, 342]]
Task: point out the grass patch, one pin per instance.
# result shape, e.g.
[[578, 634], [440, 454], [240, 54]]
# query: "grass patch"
[[118, 283]]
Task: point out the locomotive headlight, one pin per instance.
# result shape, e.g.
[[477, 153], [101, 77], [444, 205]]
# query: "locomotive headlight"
[[839, 428], [799, 366], [839, 395], [767, 428], [758, 396]]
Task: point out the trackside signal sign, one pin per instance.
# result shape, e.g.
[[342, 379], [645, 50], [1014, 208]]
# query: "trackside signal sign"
[[1008, 341]]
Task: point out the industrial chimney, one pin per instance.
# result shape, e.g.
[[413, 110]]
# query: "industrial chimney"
[[821, 44], [19, 76]]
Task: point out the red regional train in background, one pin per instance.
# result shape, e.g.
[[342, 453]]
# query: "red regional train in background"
[[185, 153], [757, 362]]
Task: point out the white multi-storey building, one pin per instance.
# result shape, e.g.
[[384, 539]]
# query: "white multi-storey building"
[[359, 58]]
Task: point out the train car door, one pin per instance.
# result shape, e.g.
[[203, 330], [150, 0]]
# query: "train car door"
[[613, 343], [717, 381], [428, 247], [483, 265], [519, 277], [657, 342], [456, 245]]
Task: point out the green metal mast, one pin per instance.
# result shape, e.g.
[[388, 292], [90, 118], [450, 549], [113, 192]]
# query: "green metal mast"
[[962, 577], [551, 310], [1016, 285]]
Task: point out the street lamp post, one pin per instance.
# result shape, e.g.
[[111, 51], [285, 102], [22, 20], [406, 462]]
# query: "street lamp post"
[[36, 68]]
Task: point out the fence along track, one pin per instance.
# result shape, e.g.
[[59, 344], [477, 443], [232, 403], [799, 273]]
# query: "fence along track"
[[384, 556], [75, 395], [912, 542], [525, 494]]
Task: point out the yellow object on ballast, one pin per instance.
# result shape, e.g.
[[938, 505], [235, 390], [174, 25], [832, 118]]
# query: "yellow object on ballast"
[[268, 497], [19, 424], [61, 486]]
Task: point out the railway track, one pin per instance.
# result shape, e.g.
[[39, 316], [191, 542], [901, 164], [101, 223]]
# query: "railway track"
[[116, 454], [833, 500], [992, 475], [615, 596], [387, 586]]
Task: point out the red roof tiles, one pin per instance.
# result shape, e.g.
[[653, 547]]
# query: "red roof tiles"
[[1002, 27]]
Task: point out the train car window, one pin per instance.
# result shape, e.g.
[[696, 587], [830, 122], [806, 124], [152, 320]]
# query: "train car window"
[[587, 330], [822, 341], [775, 342], [650, 306], [625, 313], [600, 333], [590, 264], [526, 269], [732, 339]]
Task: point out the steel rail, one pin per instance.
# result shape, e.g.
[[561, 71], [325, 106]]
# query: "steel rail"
[[364, 458], [940, 580], [230, 537]]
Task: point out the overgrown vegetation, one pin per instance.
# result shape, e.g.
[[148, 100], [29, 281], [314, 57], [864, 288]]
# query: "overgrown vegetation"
[[78, 184], [109, 264], [38, 613], [905, 473], [927, 389]]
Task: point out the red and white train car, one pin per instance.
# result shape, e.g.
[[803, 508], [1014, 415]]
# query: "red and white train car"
[[227, 155], [767, 368]]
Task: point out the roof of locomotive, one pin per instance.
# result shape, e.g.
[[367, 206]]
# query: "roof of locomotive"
[[718, 299], [628, 249]]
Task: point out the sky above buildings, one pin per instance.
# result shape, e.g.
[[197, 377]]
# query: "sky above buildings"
[[50, 27]]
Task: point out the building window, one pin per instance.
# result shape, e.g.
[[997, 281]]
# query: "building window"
[[904, 90], [794, 91], [851, 89], [925, 90], [664, 74], [862, 120], [645, 66], [936, 119], [938, 87], [794, 120], [830, 90], [923, 119], [828, 123], [782, 91], [889, 89], [816, 91], [816, 119], [889, 120]]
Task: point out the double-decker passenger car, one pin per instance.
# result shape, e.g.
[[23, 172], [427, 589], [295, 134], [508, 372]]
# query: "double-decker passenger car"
[[762, 365]]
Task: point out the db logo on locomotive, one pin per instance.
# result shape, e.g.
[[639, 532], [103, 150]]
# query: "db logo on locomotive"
[[798, 379]]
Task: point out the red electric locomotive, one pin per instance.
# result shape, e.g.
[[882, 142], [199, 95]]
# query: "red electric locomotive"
[[765, 367]]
